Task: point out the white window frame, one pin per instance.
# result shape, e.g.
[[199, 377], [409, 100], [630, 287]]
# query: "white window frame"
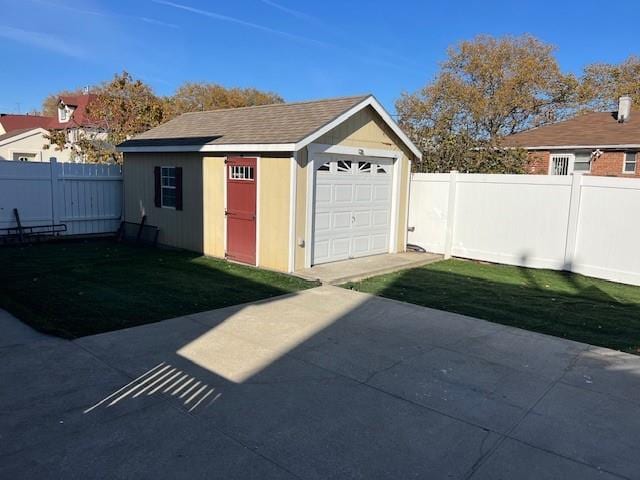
[[571, 158], [236, 169], [582, 172], [170, 187], [625, 161]]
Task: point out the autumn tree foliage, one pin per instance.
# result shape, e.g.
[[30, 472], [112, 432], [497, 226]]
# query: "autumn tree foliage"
[[125, 106], [198, 97], [486, 88], [602, 84]]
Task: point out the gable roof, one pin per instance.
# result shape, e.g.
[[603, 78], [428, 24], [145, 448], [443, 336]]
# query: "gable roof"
[[589, 130], [80, 116], [276, 127], [21, 133], [11, 122]]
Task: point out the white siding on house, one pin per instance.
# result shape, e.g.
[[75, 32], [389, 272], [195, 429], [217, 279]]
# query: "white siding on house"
[[31, 143]]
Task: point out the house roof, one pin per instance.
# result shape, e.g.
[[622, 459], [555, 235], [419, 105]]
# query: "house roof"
[[592, 129], [17, 133], [11, 122], [276, 127], [80, 116]]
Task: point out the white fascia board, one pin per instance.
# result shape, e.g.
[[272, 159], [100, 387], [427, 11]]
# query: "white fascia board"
[[315, 148], [578, 147], [23, 135], [248, 147], [369, 101]]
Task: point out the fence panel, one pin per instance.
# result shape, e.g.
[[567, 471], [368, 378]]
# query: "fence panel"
[[87, 198], [579, 223]]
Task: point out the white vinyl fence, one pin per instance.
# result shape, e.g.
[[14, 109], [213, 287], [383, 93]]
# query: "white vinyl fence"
[[584, 224], [87, 198]]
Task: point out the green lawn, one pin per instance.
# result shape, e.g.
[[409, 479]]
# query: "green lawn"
[[556, 303], [72, 289]]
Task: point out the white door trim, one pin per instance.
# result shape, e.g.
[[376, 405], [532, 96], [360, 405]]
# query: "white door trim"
[[258, 173], [316, 148], [292, 212]]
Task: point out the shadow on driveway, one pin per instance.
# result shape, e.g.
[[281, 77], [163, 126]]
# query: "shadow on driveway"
[[324, 383]]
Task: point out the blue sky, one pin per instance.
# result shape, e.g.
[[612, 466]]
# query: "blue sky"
[[302, 50]]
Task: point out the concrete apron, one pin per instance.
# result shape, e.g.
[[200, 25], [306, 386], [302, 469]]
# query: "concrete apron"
[[325, 383], [355, 269]]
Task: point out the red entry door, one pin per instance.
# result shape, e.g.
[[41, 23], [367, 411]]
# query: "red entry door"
[[242, 175]]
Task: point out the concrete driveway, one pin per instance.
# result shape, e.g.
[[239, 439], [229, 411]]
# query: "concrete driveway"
[[323, 384]]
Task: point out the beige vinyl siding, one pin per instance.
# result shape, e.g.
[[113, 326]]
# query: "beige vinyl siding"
[[274, 184], [365, 129], [213, 174], [301, 208], [178, 228]]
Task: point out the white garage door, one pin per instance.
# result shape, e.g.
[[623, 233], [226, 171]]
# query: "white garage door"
[[352, 207]]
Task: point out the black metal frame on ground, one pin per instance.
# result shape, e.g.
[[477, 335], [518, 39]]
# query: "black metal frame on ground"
[[31, 233], [138, 233]]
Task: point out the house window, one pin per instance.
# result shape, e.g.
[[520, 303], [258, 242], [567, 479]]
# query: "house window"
[[325, 167], [582, 162], [630, 159], [344, 166], [364, 167], [560, 164], [241, 172], [62, 114], [382, 169], [168, 187]]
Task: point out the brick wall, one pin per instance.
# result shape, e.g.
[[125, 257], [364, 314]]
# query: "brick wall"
[[538, 163], [608, 165]]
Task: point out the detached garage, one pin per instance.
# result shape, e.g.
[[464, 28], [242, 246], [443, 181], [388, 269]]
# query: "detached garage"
[[283, 186]]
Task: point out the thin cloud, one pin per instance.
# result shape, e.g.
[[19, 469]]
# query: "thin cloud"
[[290, 11], [238, 21], [96, 13], [42, 41], [158, 22]]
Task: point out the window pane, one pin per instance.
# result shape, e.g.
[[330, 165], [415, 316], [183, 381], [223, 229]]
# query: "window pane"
[[581, 166], [168, 197], [344, 166]]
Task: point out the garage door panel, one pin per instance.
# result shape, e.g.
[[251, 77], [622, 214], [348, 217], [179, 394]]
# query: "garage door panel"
[[323, 222], [361, 245], [363, 193], [380, 218], [382, 193], [340, 247], [321, 250], [361, 219], [323, 194], [379, 242], [352, 211], [343, 193], [341, 220]]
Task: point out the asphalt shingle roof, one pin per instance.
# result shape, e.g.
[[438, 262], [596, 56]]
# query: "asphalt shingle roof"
[[263, 124], [589, 129]]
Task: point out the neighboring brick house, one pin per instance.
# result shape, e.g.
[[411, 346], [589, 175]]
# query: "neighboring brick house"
[[23, 137], [594, 143]]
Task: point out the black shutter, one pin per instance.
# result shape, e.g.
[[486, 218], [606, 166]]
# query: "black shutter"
[[178, 188], [158, 187]]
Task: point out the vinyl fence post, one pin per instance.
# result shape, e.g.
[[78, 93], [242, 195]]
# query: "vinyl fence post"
[[572, 222], [451, 213], [55, 193]]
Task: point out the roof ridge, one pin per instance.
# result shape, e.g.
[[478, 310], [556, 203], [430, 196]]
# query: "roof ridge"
[[323, 100]]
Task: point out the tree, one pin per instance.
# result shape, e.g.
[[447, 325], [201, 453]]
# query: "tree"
[[486, 89], [604, 83], [196, 97], [122, 108]]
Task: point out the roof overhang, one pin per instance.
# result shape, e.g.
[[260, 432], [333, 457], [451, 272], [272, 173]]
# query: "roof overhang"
[[24, 134], [283, 147], [579, 147]]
